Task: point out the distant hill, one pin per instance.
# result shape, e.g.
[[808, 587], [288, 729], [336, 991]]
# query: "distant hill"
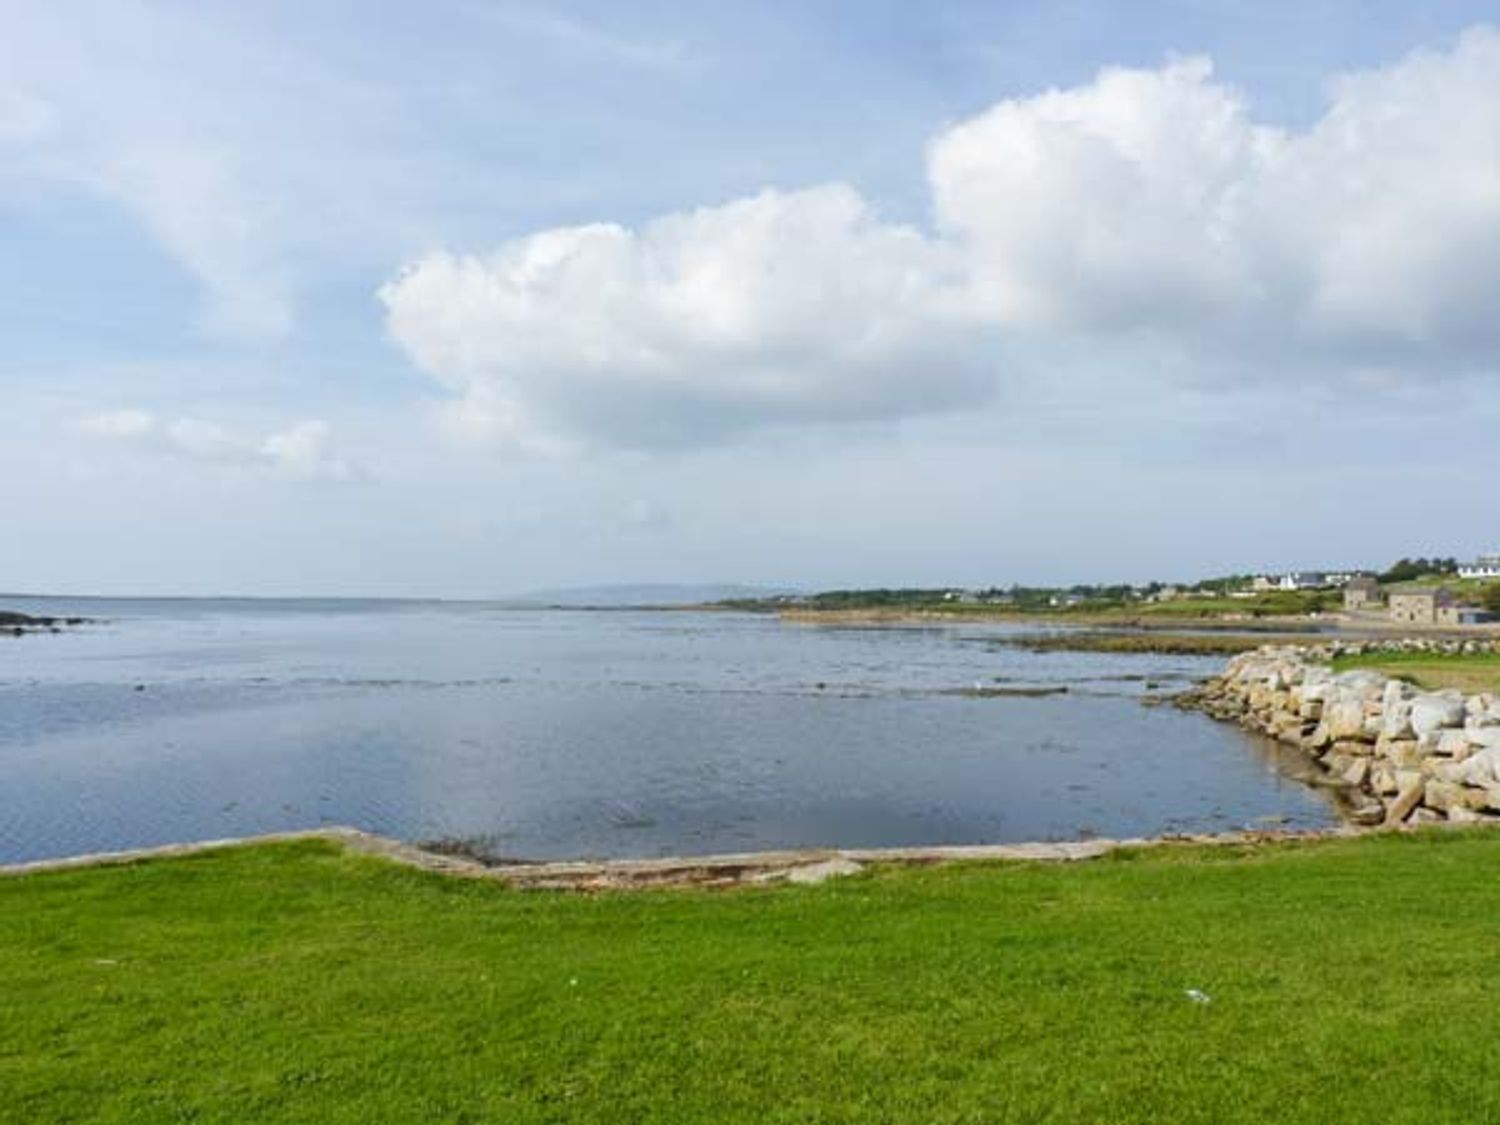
[[644, 595]]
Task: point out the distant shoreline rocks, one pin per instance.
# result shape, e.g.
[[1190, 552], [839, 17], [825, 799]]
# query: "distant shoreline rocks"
[[19, 624]]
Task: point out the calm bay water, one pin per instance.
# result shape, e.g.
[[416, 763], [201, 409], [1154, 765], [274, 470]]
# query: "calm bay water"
[[560, 733]]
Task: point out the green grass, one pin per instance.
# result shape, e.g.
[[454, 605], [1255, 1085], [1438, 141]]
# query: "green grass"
[[1158, 641], [1178, 613], [1276, 603], [1474, 672], [1350, 980]]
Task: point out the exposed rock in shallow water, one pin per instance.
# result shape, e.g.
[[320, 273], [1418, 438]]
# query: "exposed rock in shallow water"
[[19, 624]]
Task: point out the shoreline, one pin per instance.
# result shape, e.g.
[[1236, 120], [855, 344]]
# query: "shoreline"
[[966, 616], [797, 865], [1402, 754], [1333, 626]]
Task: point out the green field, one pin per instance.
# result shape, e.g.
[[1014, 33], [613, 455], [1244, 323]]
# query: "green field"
[[1219, 643], [1276, 603], [1350, 980], [1469, 673], [1267, 609]]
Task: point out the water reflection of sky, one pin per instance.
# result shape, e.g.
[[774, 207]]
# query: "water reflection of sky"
[[618, 733]]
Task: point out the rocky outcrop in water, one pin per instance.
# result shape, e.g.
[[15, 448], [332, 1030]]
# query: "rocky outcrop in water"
[[19, 624], [1400, 754]]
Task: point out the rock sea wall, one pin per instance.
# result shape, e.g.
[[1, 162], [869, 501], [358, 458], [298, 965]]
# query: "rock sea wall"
[[1400, 754]]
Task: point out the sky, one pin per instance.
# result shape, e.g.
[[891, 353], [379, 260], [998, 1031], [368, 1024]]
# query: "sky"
[[462, 299]]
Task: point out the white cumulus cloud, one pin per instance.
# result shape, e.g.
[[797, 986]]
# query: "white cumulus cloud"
[[1144, 204], [780, 306], [1153, 199], [1106, 205]]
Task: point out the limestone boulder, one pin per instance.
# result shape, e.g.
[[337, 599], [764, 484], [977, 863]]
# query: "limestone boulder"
[[1361, 683], [1408, 796], [1483, 710], [1484, 738], [1396, 694], [1345, 719], [1383, 779], [1402, 753], [1445, 769], [1396, 720], [1318, 741], [1448, 795], [1316, 690], [1437, 710], [1455, 744], [1481, 768]]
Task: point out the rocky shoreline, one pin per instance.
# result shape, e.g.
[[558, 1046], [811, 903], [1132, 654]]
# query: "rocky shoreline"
[[1398, 754]]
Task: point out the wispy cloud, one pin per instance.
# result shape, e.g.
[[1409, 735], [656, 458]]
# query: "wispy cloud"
[[296, 452], [250, 162], [591, 38]]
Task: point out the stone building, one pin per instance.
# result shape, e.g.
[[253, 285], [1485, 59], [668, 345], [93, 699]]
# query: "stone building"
[[1424, 607], [1361, 593]]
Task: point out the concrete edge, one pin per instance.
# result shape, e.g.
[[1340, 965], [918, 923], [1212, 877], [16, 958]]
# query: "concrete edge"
[[798, 866]]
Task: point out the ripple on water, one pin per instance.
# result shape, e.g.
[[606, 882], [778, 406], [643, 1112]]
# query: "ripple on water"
[[606, 734]]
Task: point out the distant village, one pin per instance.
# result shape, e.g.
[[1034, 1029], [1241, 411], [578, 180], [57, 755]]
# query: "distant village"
[[1364, 594], [1436, 592]]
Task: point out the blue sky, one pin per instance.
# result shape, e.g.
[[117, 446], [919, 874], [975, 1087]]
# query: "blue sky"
[[469, 298]]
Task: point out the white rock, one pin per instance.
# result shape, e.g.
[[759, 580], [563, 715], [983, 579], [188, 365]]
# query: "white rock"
[[823, 870], [1344, 718], [1316, 691], [1362, 683], [1395, 693], [1397, 719], [1486, 738], [1437, 710], [1482, 768]]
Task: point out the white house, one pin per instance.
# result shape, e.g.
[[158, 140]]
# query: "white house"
[[1304, 580], [1485, 566]]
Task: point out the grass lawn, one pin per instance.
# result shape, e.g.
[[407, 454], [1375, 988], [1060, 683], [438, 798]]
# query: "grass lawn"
[[1472, 673], [1350, 980]]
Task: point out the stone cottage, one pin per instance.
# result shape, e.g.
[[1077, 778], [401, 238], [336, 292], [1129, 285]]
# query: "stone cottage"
[[1361, 593], [1424, 607]]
